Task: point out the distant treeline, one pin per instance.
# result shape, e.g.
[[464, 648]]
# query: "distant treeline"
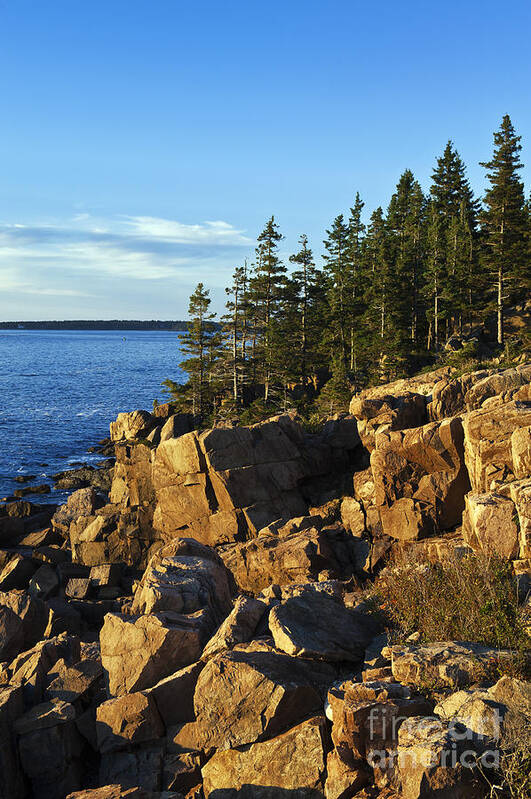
[[97, 324]]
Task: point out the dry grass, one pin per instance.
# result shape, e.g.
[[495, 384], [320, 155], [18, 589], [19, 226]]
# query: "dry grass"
[[472, 598]]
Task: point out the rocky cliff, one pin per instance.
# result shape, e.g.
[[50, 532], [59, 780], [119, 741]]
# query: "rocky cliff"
[[203, 629]]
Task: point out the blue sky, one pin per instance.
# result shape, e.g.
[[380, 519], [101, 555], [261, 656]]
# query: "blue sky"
[[144, 144]]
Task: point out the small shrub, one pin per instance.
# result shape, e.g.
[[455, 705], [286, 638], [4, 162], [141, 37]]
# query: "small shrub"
[[472, 598]]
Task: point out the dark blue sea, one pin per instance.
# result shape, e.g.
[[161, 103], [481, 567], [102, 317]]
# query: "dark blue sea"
[[60, 389]]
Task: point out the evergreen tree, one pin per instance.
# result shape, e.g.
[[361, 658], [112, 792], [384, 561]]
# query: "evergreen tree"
[[202, 344], [504, 220], [266, 287], [405, 223], [357, 338], [306, 294], [452, 244], [234, 328], [338, 271]]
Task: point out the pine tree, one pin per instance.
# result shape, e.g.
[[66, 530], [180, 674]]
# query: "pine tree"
[[356, 230], [504, 220], [337, 269], [452, 279], [306, 293], [202, 344], [405, 224], [234, 328], [266, 287]]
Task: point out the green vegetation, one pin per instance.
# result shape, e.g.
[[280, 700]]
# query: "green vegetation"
[[388, 297], [471, 598]]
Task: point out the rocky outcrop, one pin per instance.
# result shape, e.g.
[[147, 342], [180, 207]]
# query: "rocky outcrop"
[[420, 479]]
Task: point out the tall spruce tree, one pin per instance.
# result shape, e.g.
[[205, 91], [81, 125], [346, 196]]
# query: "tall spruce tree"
[[306, 296], [338, 270], [504, 220], [405, 223], [357, 338], [451, 273], [265, 293], [201, 343]]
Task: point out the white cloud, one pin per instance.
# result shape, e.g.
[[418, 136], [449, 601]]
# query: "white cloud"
[[85, 255], [217, 232]]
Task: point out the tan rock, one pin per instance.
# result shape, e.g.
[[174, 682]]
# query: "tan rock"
[[185, 577], [521, 452], [296, 558], [343, 781], [242, 697], [488, 443], [127, 720], [137, 652], [293, 762], [174, 695], [489, 524], [23, 622], [136, 424], [420, 479], [316, 625], [352, 516], [239, 626], [425, 749], [49, 730], [448, 663]]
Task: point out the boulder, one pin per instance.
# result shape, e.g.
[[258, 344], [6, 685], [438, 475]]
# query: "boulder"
[[226, 483], [450, 663], [110, 792], [498, 384], [293, 763], [296, 558], [239, 626], [489, 525], [489, 433], [420, 479], [11, 708], [128, 426], [81, 503], [17, 573], [76, 682], [49, 729], [177, 425], [448, 395], [174, 695], [521, 452], [343, 781], [366, 718], [127, 720], [138, 651], [436, 759], [140, 769], [185, 577], [30, 669], [242, 697], [23, 621], [352, 516], [316, 625]]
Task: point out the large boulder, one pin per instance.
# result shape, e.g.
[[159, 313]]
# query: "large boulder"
[[317, 625], [292, 764], [82, 502], [23, 622], [139, 651], [420, 479], [184, 577], [489, 524], [128, 426], [435, 758], [127, 720], [297, 557], [489, 436], [448, 397], [445, 664], [50, 749], [11, 708], [242, 697]]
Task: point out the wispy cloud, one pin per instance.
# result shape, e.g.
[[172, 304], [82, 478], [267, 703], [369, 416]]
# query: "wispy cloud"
[[81, 257]]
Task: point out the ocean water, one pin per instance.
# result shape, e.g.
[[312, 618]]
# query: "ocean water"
[[60, 389]]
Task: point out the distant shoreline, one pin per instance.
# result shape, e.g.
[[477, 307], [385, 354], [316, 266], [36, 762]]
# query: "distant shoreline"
[[101, 324]]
